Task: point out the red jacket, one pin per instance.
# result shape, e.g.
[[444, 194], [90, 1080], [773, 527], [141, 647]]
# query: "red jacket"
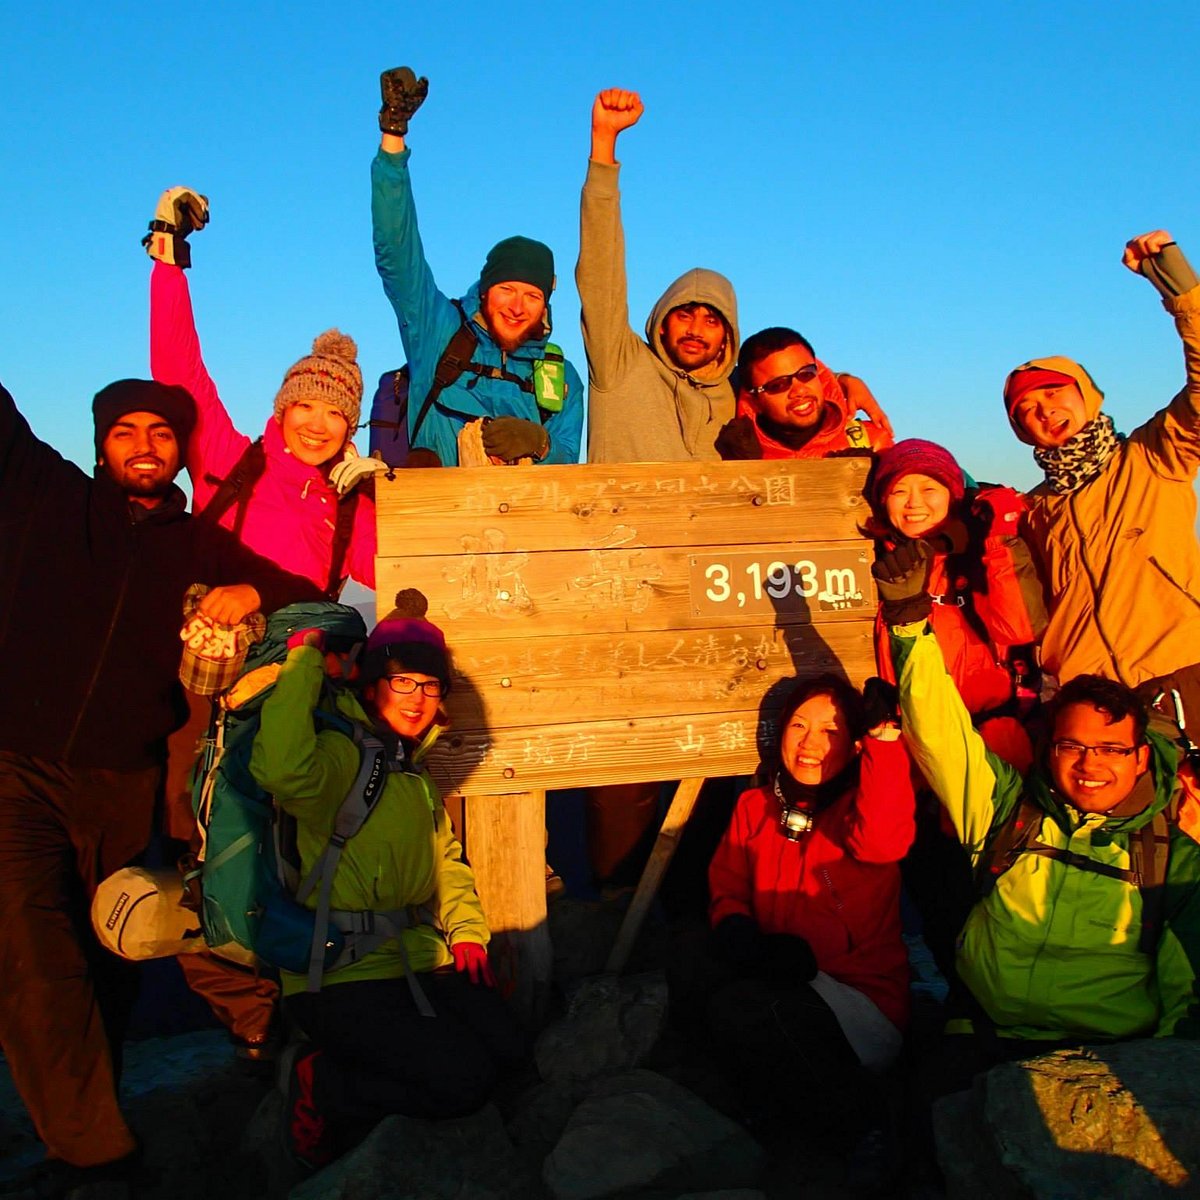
[[838, 887], [986, 600], [840, 430]]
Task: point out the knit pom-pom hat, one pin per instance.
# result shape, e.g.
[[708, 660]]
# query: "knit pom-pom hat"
[[405, 637], [329, 373]]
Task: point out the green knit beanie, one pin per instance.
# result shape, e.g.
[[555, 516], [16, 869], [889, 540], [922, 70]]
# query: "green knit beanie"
[[519, 260]]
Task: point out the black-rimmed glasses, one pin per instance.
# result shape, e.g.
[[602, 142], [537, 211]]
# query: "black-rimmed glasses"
[[403, 685], [1067, 749]]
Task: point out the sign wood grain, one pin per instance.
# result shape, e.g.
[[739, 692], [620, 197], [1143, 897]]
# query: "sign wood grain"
[[611, 624]]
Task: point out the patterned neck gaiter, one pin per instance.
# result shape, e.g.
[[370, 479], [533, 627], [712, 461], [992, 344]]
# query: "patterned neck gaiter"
[[1078, 461]]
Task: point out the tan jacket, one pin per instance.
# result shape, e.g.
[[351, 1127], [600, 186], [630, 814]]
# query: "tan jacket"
[[1119, 555], [641, 408]]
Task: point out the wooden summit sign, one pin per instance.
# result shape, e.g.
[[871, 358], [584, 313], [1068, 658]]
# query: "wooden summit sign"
[[610, 624]]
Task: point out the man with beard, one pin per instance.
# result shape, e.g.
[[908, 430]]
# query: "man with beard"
[[486, 356], [664, 398], [93, 572]]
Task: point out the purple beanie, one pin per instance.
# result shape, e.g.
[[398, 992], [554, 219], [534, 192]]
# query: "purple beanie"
[[915, 456]]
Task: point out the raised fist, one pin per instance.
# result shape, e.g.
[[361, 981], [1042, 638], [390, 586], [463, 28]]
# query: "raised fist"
[[179, 211], [1157, 256], [616, 109], [402, 93]]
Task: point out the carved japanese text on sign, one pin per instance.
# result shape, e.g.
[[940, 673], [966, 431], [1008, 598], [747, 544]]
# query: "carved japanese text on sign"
[[782, 581], [624, 622]]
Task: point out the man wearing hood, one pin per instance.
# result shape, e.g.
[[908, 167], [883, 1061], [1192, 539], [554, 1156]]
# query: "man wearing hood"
[[529, 397], [663, 399], [791, 405], [1114, 520]]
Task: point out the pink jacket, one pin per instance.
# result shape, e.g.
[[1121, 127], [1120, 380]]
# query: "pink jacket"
[[292, 510]]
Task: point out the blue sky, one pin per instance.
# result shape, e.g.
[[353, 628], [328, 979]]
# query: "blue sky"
[[932, 193]]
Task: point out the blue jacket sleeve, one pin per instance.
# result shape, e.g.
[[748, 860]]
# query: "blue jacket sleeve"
[[427, 319]]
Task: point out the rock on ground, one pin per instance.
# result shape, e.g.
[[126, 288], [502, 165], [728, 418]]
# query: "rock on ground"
[[636, 1131], [402, 1159], [612, 1022], [1099, 1121]]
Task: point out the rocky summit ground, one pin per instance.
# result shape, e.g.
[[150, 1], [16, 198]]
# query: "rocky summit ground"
[[618, 1089]]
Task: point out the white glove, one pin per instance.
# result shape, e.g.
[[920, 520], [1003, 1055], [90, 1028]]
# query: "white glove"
[[180, 211], [352, 470]]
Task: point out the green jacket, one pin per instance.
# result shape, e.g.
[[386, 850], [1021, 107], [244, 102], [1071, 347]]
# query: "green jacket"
[[406, 853], [1052, 951]]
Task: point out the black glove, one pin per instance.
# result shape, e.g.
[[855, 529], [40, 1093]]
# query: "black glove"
[[901, 576], [738, 941], [881, 702], [511, 438], [787, 959], [179, 211], [737, 440], [402, 94]]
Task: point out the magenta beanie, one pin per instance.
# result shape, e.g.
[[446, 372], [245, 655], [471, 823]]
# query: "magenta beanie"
[[915, 456]]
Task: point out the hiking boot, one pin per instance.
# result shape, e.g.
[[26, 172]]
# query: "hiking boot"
[[307, 1133]]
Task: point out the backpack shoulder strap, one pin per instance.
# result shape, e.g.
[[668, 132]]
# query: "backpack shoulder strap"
[[237, 487], [1007, 843], [352, 815], [1149, 853], [343, 533], [455, 359]]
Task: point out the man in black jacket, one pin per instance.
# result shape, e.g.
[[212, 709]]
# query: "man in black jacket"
[[92, 575]]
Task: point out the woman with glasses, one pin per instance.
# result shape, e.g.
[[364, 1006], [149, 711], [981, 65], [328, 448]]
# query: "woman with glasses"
[[373, 1051], [790, 405]]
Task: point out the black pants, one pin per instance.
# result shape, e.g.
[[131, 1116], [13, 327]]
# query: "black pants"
[[381, 1057], [64, 1000], [784, 1047]]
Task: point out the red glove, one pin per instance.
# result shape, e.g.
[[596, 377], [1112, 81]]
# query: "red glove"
[[307, 637], [998, 512], [472, 958]]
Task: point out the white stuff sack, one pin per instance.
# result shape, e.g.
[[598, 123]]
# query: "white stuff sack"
[[137, 914]]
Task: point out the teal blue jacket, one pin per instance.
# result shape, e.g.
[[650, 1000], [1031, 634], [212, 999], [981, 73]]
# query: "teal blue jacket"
[[1052, 951], [428, 320]]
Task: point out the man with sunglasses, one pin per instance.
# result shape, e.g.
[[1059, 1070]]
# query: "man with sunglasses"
[[1082, 931], [790, 405]]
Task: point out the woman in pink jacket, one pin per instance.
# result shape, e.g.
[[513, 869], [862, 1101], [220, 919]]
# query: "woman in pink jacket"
[[281, 493]]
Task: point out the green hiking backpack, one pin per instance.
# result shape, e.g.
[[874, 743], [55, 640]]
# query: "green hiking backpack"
[[251, 899]]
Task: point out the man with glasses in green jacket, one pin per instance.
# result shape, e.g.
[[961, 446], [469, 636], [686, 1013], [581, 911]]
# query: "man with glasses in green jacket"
[[1088, 924]]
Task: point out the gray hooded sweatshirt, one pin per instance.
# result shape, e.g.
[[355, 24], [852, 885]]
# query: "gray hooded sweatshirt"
[[641, 407]]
